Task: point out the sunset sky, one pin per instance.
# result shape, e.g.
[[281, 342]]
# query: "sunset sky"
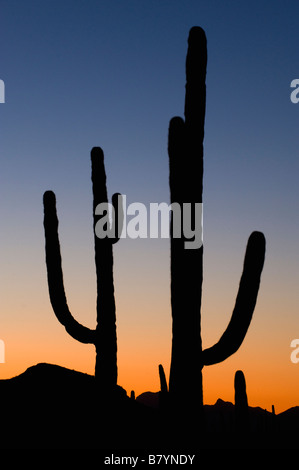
[[110, 73]]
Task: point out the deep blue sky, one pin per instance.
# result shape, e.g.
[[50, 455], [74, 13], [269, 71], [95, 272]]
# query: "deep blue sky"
[[111, 73]]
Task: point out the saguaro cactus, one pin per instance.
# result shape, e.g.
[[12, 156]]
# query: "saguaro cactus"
[[241, 403], [104, 335], [163, 394], [185, 149], [162, 379]]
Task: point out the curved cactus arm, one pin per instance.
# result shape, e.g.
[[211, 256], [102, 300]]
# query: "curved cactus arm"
[[55, 276], [236, 330]]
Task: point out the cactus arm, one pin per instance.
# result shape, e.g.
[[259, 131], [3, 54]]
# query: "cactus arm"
[[236, 330], [55, 275]]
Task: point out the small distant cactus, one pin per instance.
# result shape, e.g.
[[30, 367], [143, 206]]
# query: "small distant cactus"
[[104, 335], [163, 394], [185, 149], [241, 403], [163, 383]]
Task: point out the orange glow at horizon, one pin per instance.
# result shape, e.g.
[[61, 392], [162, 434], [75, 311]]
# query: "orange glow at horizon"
[[270, 378], [32, 334]]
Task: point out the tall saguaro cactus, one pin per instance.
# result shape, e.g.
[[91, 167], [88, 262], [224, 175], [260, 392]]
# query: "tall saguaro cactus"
[[104, 335], [185, 149]]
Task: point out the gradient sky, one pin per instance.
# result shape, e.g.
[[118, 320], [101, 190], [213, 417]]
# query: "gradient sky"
[[111, 73]]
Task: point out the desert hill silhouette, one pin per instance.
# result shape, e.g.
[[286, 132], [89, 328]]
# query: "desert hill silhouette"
[[49, 406]]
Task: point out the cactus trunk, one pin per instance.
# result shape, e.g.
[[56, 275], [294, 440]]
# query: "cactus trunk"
[[185, 148], [106, 340]]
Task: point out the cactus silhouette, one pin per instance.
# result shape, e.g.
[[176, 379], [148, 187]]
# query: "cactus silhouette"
[[185, 149], [163, 393], [163, 382], [104, 335], [241, 403]]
